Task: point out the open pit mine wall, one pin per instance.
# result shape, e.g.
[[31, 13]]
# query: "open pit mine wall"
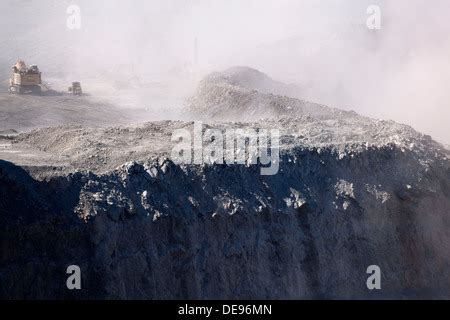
[[163, 231]]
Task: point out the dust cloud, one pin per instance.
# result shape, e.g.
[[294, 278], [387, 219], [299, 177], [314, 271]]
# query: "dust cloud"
[[400, 72]]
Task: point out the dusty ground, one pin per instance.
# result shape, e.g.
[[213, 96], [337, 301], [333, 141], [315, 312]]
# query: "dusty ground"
[[26, 112], [104, 103], [63, 117], [57, 131]]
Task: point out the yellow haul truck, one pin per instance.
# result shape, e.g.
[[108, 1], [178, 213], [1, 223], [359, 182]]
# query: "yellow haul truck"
[[25, 80]]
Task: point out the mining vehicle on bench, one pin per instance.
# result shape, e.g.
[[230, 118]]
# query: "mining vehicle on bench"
[[75, 89], [24, 79]]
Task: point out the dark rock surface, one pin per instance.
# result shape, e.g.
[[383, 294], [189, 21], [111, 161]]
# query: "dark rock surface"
[[156, 230], [350, 192]]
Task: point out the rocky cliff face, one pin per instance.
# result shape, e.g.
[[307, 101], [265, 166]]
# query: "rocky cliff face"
[[350, 192], [158, 230]]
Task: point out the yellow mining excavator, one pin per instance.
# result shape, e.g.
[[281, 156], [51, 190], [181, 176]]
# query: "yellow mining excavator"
[[24, 79]]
